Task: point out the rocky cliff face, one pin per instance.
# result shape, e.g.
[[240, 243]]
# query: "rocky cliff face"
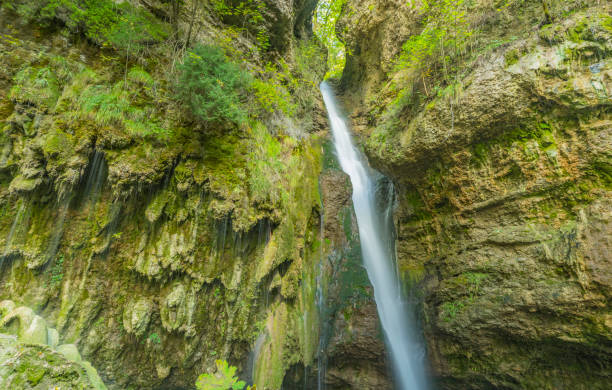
[[504, 186], [156, 256], [153, 247]]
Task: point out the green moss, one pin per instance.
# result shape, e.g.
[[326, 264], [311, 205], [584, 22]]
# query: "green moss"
[[416, 205], [347, 223], [449, 310], [330, 161], [520, 134], [352, 278], [512, 57], [58, 144], [156, 207], [272, 364], [35, 374], [224, 161], [23, 184], [606, 22], [579, 32], [480, 153], [603, 171], [413, 272]]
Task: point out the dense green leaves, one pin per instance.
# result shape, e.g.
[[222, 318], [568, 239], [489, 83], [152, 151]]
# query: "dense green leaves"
[[326, 15], [105, 22], [213, 87], [445, 34], [224, 379], [247, 15]]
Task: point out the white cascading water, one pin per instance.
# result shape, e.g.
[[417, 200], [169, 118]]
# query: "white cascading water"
[[400, 331]]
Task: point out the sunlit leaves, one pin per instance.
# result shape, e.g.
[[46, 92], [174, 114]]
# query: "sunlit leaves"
[[223, 379], [445, 32], [326, 16], [248, 15]]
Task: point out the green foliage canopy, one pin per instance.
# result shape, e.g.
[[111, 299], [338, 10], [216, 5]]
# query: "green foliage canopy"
[[326, 16]]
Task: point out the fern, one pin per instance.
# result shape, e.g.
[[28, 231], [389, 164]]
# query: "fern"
[[113, 107]]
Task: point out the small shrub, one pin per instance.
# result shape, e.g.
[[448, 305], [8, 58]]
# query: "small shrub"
[[223, 379], [212, 87], [154, 338], [272, 96], [57, 272]]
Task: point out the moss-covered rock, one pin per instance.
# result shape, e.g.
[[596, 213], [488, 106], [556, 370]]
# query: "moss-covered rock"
[[144, 239], [503, 190], [38, 367]]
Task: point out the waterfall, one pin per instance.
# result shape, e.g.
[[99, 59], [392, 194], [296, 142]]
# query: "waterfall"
[[16, 221], [251, 365], [397, 321]]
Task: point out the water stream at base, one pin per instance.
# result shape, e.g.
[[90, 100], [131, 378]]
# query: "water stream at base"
[[396, 318]]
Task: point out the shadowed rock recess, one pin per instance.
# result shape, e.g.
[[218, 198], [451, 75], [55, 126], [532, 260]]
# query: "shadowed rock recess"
[[170, 195]]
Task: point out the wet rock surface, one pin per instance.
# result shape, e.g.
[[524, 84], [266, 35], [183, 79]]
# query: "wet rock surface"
[[154, 258], [504, 195], [354, 354]]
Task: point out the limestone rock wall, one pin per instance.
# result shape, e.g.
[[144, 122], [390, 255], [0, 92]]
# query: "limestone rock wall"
[[504, 189], [154, 257], [31, 357]]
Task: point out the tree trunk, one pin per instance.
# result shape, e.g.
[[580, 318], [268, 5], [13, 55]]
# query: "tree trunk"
[[193, 17], [176, 8]]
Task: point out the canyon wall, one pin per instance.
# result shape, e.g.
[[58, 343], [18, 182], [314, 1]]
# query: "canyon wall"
[[503, 174]]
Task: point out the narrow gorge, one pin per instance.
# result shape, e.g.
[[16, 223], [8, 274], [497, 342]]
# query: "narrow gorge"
[[305, 194]]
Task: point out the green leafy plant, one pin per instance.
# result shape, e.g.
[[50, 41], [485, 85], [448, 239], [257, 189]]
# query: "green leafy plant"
[[212, 87], [154, 338], [326, 16], [272, 96], [57, 272], [444, 36], [450, 310], [38, 86], [248, 16], [114, 106], [265, 166], [223, 379], [105, 22]]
